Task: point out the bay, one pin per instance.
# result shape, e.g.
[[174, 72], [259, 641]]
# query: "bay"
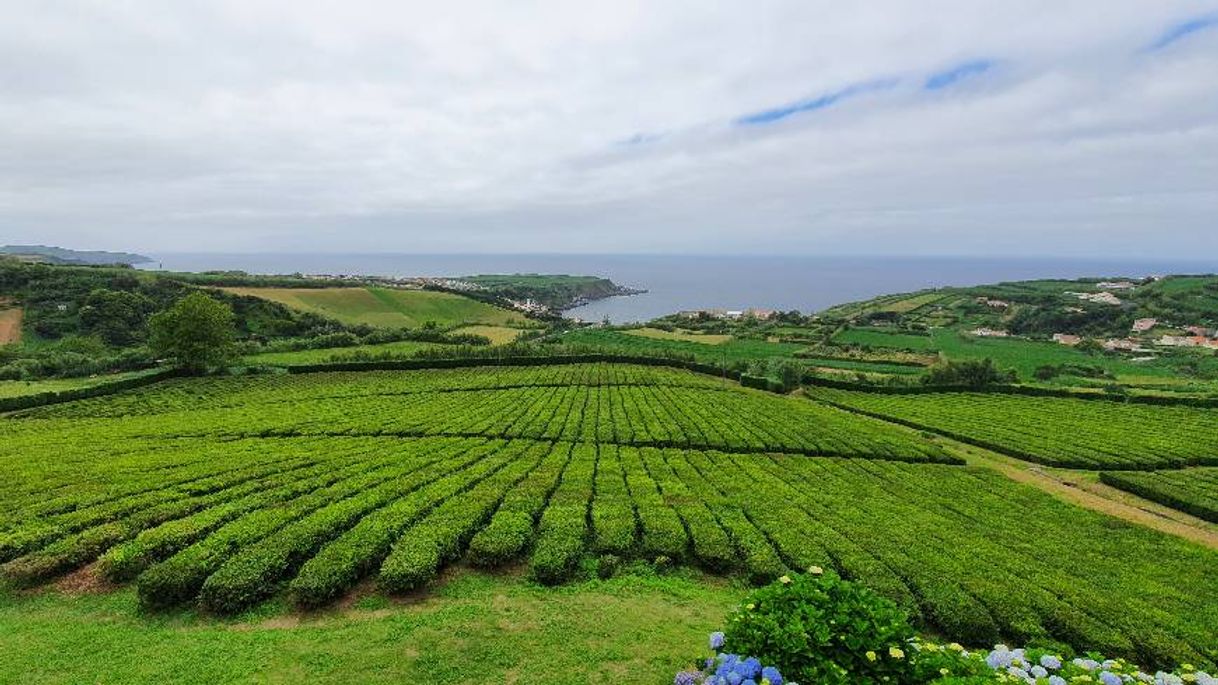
[[682, 282]]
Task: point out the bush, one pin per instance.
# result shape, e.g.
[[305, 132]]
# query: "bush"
[[818, 628], [607, 566]]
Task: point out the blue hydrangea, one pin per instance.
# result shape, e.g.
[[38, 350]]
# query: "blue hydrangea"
[[1110, 678], [771, 674], [1056, 680], [716, 641], [750, 667], [1050, 662], [687, 678]]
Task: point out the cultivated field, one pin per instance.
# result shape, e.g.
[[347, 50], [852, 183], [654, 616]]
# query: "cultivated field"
[[10, 324], [224, 492], [1193, 491], [1076, 433], [387, 308]]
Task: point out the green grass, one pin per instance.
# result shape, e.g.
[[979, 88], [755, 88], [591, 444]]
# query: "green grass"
[[22, 388], [730, 351], [881, 338], [401, 347], [475, 627], [387, 308]]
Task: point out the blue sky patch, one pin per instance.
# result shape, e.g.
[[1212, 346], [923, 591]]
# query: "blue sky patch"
[[949, 77], [769, 116], [1183, 30]]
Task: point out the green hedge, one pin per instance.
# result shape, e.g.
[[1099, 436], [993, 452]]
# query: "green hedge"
[[8, 404]]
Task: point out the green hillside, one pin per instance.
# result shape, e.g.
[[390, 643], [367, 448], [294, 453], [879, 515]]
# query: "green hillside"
[[387, 308]]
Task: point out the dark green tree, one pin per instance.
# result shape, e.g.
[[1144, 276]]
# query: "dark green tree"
[[196, 333]]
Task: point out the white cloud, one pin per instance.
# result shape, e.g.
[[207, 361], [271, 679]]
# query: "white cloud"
[[480, 126]]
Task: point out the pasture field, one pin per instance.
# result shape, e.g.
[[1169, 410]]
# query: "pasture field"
[[1057, 431], [682, 336], [875, 337], [400, 347], [22, 388], [223, 493], [1193, 491], [736, 349], [498, 335], [385, 307]]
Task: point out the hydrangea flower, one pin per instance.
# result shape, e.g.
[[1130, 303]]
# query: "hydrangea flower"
[[771, 674], [716, 641], [687, 678], [1051, 662]]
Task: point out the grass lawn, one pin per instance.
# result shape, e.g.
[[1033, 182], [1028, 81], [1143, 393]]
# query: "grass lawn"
[[387, 308], [469, 628], [401, 347], [683, 336], [499, 335], [22, 388]]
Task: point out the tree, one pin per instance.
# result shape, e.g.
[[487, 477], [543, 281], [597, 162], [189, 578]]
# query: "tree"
[[196, 333], [974, 373]]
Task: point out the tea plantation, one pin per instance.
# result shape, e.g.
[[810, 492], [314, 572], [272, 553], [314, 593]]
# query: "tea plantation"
[[223, 492]]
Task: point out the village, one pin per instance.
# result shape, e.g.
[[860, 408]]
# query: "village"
[[1145, 334]]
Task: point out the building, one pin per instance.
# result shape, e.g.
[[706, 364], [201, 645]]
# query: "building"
[[996, 304], [1143, 325], [989, 333], [1188, 341], [1098, 298], [1123, 345], [1067, 339]]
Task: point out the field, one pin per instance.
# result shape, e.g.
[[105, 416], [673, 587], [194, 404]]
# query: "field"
[[10, 324], [224, 493], [882, 338], [387, 308], [1077, 433], [22, 388], [498, 626], [682, 336], [1024, 356], [401, 347], [733, 350], [498, 335], [1193, 491]]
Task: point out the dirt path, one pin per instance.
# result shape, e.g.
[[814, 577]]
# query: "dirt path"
[[10, 324], [1084, 489]]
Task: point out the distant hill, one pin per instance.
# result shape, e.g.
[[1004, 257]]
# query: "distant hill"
[[60, 255]]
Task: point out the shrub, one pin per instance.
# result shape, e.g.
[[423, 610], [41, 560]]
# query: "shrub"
[[607, 566], [818, 628]]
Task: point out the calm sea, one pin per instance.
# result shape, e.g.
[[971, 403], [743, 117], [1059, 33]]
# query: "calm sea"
[[675, 283]]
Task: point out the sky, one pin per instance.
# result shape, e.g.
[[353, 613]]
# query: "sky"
[[1004, 127]]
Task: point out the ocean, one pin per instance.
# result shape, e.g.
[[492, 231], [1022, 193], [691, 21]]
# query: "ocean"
[[679, 282]]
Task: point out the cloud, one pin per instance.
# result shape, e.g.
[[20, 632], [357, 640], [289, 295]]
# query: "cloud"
[[950, 126]]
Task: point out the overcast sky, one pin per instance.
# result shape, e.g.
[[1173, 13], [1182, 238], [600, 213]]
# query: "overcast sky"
[[1020, 127]]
